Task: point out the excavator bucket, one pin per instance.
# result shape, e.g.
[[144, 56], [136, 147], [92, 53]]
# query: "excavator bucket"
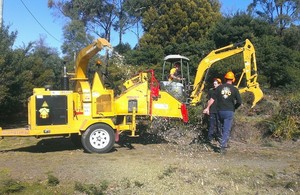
[[257, 93]]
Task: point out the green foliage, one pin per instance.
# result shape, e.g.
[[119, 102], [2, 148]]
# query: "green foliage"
[[52, 180], [91, 189], [291, 37], [287, 127], [168, 172], [195, 114], [145, 56], [122, 48], [119, 71], [76, 38], [286, 124], [275, 61], [177, 21], [6, 70], [11, 186], [23, 69], [237, 28]]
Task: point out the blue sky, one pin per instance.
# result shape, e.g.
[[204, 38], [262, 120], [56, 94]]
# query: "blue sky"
[[50, 26]]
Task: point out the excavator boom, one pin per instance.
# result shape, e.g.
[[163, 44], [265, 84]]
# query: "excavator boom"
[[249, 71]]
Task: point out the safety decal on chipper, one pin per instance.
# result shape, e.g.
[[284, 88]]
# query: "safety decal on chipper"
[[51, 110], [161, 106], [44, 110]]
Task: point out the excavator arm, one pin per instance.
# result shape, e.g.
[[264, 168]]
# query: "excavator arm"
[[249, 71]]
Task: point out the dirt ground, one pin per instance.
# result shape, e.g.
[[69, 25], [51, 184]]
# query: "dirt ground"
[[156, 167]]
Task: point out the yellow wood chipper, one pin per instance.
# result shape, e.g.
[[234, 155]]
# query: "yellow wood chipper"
[[91, 112]]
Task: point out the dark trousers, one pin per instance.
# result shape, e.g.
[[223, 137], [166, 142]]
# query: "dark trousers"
[[214, 127]]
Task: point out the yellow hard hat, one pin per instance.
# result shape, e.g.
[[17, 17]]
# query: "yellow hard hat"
[[230, 76]]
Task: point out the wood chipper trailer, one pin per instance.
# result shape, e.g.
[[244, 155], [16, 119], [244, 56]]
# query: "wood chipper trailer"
[[91, 113]]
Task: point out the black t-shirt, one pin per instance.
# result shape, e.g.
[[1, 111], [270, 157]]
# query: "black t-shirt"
[[213, 107], [228, 97]]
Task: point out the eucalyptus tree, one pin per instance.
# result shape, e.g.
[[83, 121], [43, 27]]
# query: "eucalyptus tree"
[[99, 17], [125, 20], [281, 13], [78, 28], [87, 19], [135, 10]]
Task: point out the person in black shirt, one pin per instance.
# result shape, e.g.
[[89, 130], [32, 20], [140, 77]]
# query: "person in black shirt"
[[228, 100]]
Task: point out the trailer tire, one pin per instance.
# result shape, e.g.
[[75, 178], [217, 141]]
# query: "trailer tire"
[[98, 138]]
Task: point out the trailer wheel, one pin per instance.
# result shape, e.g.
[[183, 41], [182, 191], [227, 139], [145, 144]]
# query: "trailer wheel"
[[98, 138]]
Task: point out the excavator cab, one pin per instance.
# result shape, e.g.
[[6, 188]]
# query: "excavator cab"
[[179, 88]]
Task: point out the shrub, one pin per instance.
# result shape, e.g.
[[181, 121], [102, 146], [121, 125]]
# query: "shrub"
[[52, 180], [11, 186], [286, 124], [91, 189]]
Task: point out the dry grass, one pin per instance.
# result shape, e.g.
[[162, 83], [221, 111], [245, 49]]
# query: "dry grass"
[[158, 168]]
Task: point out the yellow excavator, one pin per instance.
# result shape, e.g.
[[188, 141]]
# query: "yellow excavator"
[[192, 93], [91, 113]]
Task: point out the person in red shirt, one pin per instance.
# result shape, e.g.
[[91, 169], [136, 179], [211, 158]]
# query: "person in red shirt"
[[214, 130]]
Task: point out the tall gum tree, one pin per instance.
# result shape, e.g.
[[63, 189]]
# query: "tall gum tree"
[[281, 13]]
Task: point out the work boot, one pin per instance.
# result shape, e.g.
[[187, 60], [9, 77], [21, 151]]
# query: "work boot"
[[208, 141], [223, 151]]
